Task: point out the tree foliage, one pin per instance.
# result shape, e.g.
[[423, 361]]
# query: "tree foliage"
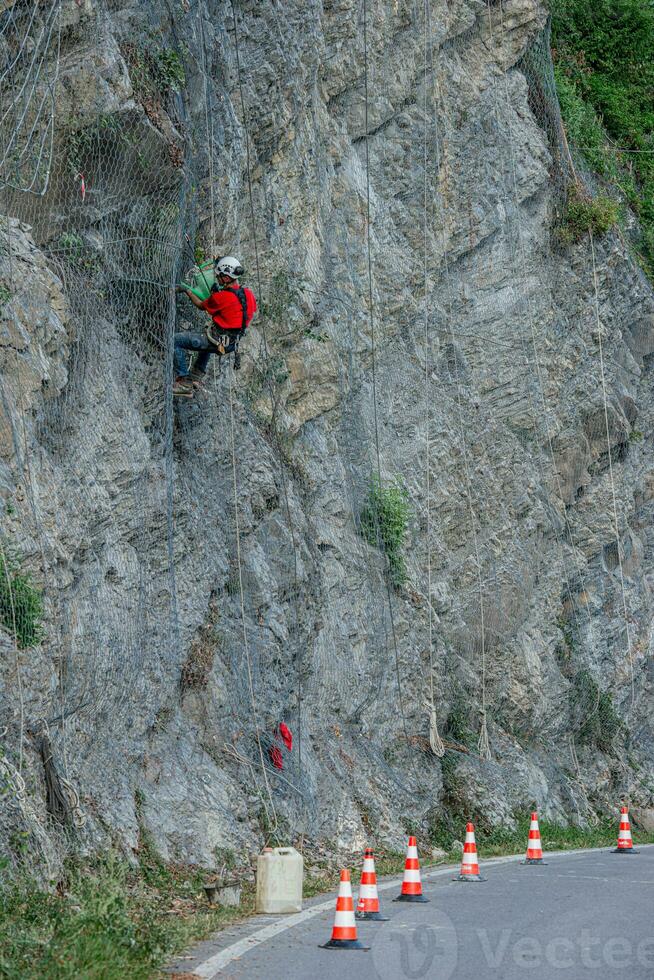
[[604, 62]]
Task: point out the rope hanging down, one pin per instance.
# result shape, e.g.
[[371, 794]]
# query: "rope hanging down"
[[284, 484], [435, 739], [616, 525], [483, 740], [371, 320], [539, 370], [525, 297], [541, 386], [269, 805]]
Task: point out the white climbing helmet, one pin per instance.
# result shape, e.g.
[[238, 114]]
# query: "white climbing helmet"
[[229, 266]]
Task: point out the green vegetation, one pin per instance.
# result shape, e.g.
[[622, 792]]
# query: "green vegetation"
[[604, 66], [81, 143], [457, 728], [106, 920], [72, 247], [21, 603], [384, 523], [5, 295], [155, 72], [584, 214], [71, 243], [497, 841], [168, 69], [594, 717]]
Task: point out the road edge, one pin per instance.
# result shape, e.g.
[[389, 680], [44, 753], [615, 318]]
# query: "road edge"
[[209, 969]]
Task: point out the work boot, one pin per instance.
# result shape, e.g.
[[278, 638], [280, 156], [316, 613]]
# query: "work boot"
[[197, 377], [183, 387]]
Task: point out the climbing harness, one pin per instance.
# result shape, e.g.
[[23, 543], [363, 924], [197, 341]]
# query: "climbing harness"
[[218, 340]]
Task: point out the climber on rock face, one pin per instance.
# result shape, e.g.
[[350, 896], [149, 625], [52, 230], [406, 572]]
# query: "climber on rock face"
[[231, 308]]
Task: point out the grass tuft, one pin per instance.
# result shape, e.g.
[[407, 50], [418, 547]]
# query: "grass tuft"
[[584, 215]]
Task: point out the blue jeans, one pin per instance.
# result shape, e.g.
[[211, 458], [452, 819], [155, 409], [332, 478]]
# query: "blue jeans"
[[191, 342], [197, 342]]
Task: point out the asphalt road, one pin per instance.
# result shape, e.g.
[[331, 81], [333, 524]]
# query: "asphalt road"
[[582, 915]]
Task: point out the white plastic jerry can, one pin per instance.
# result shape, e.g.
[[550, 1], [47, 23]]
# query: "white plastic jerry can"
[[279, 880]]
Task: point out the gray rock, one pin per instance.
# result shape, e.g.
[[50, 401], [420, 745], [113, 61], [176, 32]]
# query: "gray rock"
[[162, 683]]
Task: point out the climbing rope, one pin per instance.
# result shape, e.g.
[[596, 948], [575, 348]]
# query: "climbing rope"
[[435, 739], [62, 799], [541, 386], [616, 525], [208, 118], [246, 644], [525, 296], [267, 799], [483, 743], [17, 156], [331, 298], [371, 321], [284, 485]]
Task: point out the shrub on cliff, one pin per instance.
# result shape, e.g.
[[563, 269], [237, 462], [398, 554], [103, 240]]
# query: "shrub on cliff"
[[21, 603], [384, 523], [584, 215]]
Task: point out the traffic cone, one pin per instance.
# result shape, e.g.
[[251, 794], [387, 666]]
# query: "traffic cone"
[[344, 933], [625, 843], [368, 904], [411, 883], [469, 862], [534, 848]]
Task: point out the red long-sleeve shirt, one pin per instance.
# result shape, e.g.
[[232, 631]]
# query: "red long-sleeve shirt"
[[225, 309]]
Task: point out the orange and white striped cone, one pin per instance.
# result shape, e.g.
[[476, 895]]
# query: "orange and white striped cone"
[[534, 847], [368, 903], [344, 933], [469, 862], [411, 883], [625, 843]]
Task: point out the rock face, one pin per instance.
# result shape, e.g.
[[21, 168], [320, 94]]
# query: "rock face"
[[203, 573]]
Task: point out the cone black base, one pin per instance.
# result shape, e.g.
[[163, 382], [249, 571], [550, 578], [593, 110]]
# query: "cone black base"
[[624, 850], [343, 944], [410, 898], [469, 878], [371, 916], [533, 861]]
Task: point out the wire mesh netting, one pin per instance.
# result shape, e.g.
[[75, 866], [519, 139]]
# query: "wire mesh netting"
[[112, 193]]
